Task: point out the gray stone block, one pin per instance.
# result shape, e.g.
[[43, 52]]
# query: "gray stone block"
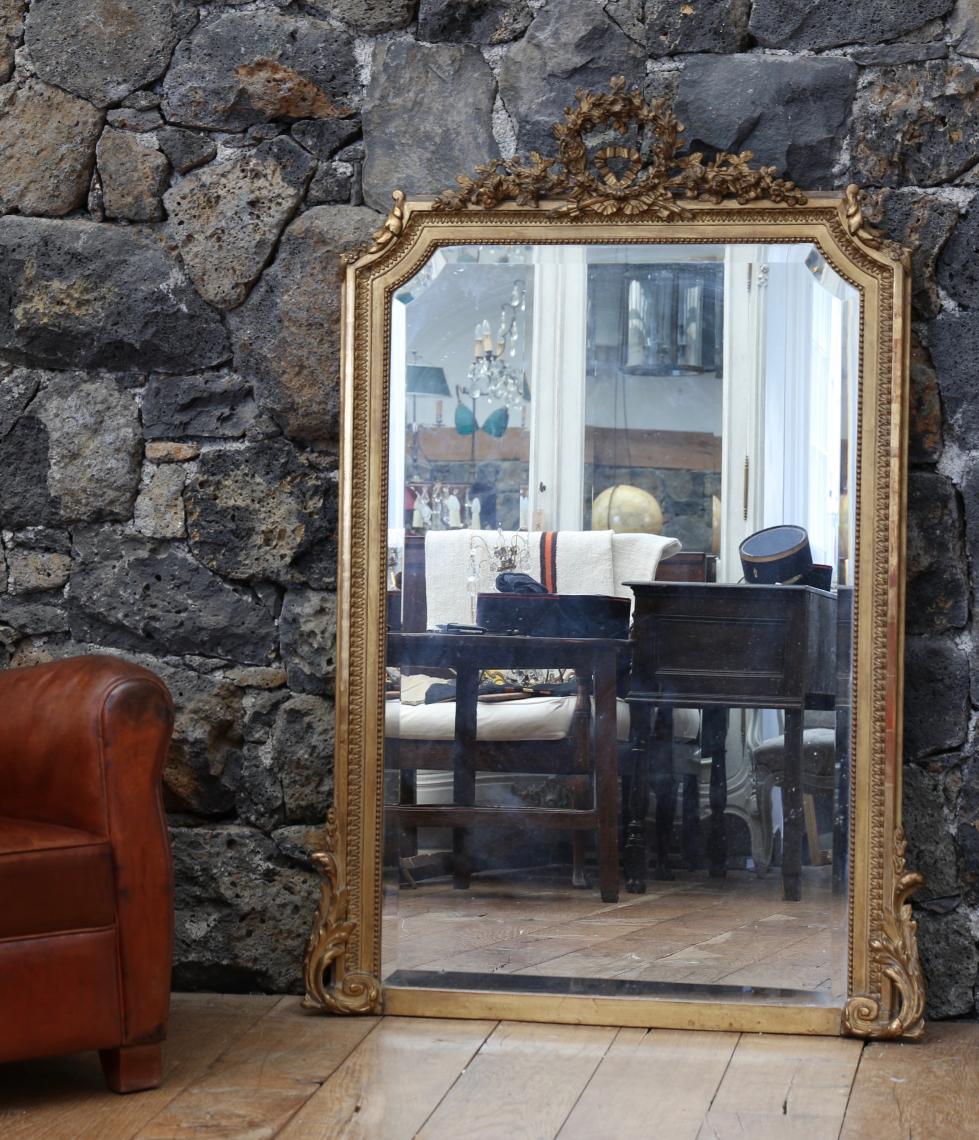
[[930, 847], [204, 764], [967, 834], [884, 55], [473, 21], [286, 335], [307, 633], [264, 512], [29, 571], [568, 46], [93, 446], [134, 175], [102, 51], [18, 386], [368, 17], [811, 25], [924, 222], [332, 183], [136, 594], [324, 137], [242, 911], [954, 343], [253, 67], [950, 960], [47, 149], [419, 134], [963, 27], [159, 508], [134, 119], [186, 149], [938, 587], [936, 696], [915, 124], [790, 113], [25, 499], [11, 30], [284, 780], [925, 434], [958, 273], [226, 218], [77, 294], [33, 614], [715, 26], [212, 404]]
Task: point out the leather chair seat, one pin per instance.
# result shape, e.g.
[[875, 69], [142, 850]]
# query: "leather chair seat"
[[53, 879]]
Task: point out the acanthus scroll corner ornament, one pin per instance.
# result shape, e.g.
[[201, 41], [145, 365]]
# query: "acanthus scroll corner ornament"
[[858, 227], [330, 988], [895, 950], [383, 236]]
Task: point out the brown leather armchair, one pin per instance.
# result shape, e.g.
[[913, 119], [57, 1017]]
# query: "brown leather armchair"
[[86, 885]]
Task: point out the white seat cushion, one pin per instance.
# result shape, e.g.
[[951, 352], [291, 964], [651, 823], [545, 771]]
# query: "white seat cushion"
[[532, 718]]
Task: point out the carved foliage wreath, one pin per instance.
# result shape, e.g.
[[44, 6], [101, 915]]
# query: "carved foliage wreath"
[[646, 175]]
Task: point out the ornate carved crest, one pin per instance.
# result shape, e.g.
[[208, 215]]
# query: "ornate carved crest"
[[895, 950], [647, 173], [329, 987]]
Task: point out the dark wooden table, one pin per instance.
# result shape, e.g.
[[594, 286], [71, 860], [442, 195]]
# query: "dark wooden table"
[[466, 654], [717, 647]]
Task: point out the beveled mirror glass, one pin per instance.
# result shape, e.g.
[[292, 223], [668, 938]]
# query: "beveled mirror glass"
[[621, 591]]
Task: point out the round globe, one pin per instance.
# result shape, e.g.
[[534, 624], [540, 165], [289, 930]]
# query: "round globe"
[[627, 510]]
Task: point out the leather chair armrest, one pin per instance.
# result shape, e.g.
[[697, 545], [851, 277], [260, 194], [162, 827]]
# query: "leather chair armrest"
[[54, 721]]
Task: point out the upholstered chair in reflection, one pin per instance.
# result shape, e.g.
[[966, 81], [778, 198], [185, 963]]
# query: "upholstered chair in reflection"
[[819, 777], [86, 921]]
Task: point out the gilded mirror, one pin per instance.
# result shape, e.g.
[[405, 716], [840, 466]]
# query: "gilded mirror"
[[621, 600]]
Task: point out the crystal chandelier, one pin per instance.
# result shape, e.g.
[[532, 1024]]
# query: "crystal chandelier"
[[489, 374]]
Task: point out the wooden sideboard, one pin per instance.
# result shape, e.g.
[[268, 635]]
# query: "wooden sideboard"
[[716, 647]]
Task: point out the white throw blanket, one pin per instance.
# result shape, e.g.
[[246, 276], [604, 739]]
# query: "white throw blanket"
[[588, 562], [636, 558], [584, 562]]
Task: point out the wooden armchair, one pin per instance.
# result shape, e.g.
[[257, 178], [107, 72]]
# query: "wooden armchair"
[[572, 739]]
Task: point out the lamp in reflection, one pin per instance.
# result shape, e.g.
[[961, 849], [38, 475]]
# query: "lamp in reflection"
[[423, 380], [490, 374]]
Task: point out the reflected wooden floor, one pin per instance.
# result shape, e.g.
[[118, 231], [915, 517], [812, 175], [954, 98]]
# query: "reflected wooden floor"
[[736, 931], [255, 1067]]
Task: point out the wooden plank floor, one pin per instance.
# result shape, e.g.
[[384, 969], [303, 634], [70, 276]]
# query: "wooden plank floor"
[[255, 1067], [733, 931]]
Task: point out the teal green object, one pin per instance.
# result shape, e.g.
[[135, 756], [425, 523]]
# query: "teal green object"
[[496, 423], [465, 420]]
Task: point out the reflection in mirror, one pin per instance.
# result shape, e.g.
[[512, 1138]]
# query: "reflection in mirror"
[[612, 765]]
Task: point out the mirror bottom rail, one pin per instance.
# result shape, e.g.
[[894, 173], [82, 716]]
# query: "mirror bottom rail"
[[752, 1015]]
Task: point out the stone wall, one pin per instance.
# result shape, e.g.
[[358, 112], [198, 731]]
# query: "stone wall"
[[176, 183]]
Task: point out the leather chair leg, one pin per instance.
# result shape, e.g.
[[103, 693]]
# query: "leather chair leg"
[[131, 1068]]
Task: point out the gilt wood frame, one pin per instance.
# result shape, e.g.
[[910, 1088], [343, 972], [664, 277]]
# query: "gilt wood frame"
[[665, 197]]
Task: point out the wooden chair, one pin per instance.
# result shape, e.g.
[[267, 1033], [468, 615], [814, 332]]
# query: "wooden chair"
[[560, 746]]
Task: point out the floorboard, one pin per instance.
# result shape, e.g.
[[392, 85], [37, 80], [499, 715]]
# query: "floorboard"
[[263, 1078], [522, 1084], [793, 1088], [392, 1082], [255, 1067], [62, 1097], [918, 1091], [666, 1076]]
